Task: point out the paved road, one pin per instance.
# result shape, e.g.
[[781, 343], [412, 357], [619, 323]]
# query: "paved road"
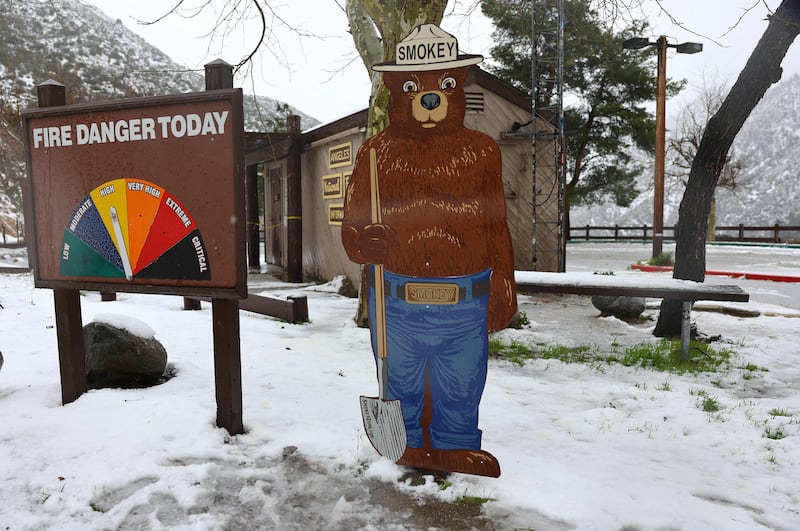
[[747, 259]]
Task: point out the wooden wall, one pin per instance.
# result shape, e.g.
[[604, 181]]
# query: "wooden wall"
[[495, 121], [323, 255]]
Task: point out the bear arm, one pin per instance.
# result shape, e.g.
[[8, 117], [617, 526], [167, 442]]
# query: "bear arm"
[[357, 206], [503, 295], [350, 244]]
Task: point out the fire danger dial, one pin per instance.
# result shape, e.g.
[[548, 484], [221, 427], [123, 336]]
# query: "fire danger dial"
[[133, 229]]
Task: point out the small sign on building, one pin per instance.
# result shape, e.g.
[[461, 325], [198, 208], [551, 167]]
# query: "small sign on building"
[[335, 214], [332, 186], [340, 155]]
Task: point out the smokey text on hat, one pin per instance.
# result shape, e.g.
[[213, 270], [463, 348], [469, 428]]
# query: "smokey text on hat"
[[427, 52]]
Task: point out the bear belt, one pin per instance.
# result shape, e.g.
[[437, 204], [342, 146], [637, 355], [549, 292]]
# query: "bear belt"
[[434, 292]]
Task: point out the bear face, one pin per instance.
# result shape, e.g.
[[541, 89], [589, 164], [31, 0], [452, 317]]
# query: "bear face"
[[426, 103]]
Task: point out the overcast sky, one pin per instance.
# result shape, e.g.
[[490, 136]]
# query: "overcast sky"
[[321, 74]]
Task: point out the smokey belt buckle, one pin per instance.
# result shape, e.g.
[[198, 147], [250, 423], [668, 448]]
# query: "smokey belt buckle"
[[431, 293]]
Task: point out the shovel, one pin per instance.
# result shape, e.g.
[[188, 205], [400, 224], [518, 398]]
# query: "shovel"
[[383, 419]]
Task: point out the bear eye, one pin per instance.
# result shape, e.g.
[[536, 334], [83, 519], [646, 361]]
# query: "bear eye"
[[448, 83], [409, 86]]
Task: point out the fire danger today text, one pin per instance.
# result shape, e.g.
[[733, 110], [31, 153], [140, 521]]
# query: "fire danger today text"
[[131, 130]]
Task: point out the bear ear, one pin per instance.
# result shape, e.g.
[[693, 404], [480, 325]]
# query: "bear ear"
[[460, 74]]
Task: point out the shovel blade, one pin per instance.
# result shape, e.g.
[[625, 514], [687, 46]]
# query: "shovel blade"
[[383, 423]]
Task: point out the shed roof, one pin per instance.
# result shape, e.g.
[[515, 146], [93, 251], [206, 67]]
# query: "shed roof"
[[266, 147]]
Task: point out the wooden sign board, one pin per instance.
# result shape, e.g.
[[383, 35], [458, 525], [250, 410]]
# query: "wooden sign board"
[[139, 195]]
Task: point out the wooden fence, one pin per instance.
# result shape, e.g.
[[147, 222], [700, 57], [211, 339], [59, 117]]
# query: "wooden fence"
[[735, 233], [9, 236]]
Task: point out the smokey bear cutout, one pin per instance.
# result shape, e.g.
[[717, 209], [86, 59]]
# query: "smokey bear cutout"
[[430, 216]]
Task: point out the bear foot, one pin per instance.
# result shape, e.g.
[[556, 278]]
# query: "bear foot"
[[476, 462]]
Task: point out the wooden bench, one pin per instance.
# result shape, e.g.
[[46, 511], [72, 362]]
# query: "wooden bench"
[[293, 309], [632, 285]]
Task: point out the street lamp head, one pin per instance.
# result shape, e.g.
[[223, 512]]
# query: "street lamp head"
[[636, 43], [689, 47]]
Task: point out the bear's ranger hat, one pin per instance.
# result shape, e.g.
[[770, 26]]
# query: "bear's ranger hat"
[[427, 47]]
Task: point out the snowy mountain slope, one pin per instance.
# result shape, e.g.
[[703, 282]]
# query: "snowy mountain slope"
[[96, 58], [768, 147]]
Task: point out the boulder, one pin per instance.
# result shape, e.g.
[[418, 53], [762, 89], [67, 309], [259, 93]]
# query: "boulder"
[[346, 288], [618, 306], [116, 357]]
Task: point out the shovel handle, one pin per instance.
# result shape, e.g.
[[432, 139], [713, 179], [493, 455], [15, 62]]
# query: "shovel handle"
[[375, 196], [380, 301]]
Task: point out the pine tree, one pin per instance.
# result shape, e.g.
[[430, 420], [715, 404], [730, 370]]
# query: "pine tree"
[[605, 92]]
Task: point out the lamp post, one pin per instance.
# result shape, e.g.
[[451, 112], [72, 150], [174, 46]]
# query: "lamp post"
[[661, 46]]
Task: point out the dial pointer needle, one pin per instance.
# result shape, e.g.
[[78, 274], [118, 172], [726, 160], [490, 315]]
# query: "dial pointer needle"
[[123, 252]]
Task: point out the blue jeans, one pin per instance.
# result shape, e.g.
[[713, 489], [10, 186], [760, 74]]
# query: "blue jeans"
[[449, 343]]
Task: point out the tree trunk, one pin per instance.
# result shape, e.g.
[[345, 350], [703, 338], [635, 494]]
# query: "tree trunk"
[[763, 68]]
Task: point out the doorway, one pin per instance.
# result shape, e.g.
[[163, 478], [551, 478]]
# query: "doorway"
[[273, 229]]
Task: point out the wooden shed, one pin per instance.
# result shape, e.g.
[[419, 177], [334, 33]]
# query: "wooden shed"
[[297, 179]]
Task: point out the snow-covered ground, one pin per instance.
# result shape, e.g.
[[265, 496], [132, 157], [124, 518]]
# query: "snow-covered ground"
[[581, 446]]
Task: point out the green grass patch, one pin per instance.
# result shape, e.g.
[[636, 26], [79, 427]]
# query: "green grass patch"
[[752, 367], [779, 412], [664, 355], [663, 259], [520, 321], [473, 500], [519, 353], [443, 483], [707, 403], [774, 433], [664, 386], [710, 404]]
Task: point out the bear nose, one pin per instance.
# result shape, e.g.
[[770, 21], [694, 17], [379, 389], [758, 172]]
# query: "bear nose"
[[430, 101]]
